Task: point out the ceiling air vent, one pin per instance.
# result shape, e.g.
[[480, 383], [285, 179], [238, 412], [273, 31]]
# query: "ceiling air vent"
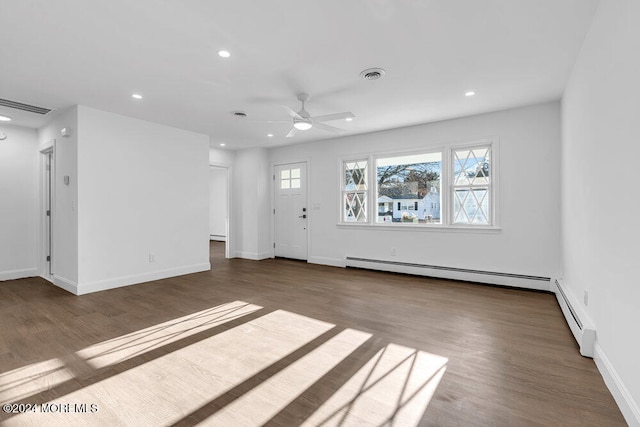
[[23, 107], [372, 73]]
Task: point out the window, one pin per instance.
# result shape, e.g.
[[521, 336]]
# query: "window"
[[289, 178], [354, 192], [413, 182], [472, 185], [453, 186]]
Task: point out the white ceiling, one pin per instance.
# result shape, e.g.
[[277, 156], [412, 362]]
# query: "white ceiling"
[[60, 53]]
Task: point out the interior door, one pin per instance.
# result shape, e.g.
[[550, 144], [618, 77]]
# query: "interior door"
[[291, 213]]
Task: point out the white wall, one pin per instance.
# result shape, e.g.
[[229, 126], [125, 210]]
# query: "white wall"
[[143, 189], [220, 157], [65, 209], [19, 185], [252, 204], [528, 242], [218, 203], [600, 153]]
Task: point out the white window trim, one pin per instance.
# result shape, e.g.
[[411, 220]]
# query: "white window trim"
[[446, 188], [493, 182], [374, 177], [342, 191]]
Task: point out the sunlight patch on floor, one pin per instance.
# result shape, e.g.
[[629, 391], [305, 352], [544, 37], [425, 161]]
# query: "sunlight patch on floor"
[[127, 346], [270, 397], [166, 389], [32, 379], [393, 388]]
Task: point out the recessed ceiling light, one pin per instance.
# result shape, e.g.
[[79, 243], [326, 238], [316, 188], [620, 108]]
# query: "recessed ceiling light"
[[136, 96], [270, 135], [222, 144], [5, 119], [349, 119], [224, 53], [470, 93]]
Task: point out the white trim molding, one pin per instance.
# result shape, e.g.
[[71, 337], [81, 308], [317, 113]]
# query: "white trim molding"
[[255, 256], [117, 282], [333, 262], [61, 282], [19, 274], [628, 406]]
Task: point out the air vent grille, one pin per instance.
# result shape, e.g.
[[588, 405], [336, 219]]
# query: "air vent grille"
[[372, 73], [23, 107]]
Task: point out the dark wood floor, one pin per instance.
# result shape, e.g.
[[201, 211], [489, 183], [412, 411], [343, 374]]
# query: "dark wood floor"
[[511, 357]]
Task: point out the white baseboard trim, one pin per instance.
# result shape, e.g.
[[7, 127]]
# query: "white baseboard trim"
[[117, 282], [333, 262], [623, 398], [492, 278], [256, 256], [19, 274], [61, 282]]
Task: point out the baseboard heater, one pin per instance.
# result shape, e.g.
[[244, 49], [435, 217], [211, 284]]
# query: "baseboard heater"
[[482, 276], [577, 319]]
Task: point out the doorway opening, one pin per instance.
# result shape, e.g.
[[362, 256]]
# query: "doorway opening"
[[219, 206], [47, 192]]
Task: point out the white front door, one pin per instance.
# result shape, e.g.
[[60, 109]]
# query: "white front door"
[[291, 213]]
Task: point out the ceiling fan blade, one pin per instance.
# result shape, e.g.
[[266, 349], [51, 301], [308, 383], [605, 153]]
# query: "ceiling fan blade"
[[291, 112], [268, 121], [337, 116], [329, 128], [292, 132]]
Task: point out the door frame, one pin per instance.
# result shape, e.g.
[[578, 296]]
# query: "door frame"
[[229, 252], [307, 163], [47, 243]]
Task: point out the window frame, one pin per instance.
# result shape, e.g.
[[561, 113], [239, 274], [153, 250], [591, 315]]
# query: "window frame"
[[446, 188], [490, 186], [374, 176], [343, 192]]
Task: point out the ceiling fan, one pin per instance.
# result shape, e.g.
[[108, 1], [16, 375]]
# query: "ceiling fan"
[[302, 120]]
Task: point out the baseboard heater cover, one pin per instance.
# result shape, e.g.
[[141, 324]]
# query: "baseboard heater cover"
[[581, 326], [351, 261]]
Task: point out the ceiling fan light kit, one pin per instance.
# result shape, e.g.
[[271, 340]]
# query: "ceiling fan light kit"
[[302, 124], [302, 120]]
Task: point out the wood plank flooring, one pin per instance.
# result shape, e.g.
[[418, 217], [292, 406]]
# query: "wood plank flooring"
[[282, 343]]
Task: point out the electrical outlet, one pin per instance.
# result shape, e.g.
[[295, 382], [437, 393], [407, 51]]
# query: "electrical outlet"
[[152, 257], [586, 297], [393, 251]]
